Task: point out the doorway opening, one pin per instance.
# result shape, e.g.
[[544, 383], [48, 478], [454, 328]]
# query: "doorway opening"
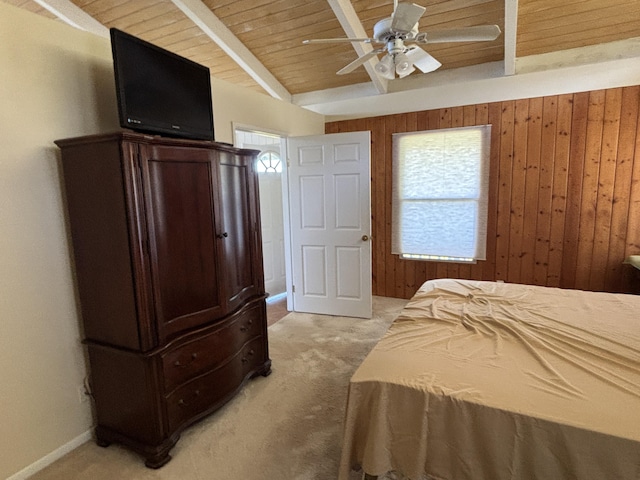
[[270, 166]]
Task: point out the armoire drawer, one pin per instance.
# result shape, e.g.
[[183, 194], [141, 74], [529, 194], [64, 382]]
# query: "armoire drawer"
[[215, 387], [202, 354]]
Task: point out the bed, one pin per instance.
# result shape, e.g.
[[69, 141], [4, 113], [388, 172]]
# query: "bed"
[[496, 381]]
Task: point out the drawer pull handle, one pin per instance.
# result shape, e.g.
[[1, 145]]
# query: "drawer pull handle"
[[244, 328], [179, 364], [182, 403], [249, 354]]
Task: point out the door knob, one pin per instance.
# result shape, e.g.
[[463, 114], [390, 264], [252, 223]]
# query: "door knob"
[[365, 238]]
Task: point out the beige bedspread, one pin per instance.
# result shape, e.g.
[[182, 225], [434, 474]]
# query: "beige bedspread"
[[496, 381]]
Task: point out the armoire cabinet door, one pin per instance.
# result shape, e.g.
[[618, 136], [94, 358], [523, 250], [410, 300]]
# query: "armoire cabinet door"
[[179, 203], [238, 203]]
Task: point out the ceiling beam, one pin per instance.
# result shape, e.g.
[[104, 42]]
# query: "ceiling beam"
[[538, 76], [73, 15], [213, 27], [510, 36], [352, 26]]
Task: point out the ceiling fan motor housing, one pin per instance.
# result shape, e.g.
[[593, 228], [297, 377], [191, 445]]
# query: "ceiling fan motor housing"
[[383, 33]]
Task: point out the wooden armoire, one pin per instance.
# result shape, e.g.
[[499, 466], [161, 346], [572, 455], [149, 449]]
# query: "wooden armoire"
[[168, 259]]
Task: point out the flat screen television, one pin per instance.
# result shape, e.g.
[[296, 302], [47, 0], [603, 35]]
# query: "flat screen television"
[[160, 92]]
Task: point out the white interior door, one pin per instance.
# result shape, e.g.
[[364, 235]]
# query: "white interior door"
[[330, 223]]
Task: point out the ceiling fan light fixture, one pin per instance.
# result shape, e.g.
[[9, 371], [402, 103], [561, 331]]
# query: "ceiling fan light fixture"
[[386, 67], [406, 72], [403, 65]]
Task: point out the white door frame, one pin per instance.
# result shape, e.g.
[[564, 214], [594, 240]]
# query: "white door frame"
[[285, 200]]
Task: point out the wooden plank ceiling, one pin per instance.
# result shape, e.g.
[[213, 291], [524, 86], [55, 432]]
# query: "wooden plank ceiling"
[[273, 31]]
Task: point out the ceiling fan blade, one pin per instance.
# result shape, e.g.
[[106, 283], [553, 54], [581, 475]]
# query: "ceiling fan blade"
[[480, 33], [421, 59], [358, 61], [406, 16], [338, 40]]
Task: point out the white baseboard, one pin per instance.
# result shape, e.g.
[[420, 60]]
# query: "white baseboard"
[[52, 457]]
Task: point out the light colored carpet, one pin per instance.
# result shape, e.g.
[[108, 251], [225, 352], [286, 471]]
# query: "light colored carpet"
[[287, 426]]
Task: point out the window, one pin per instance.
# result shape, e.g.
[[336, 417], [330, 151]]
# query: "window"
[[269, 162], [440, 190]]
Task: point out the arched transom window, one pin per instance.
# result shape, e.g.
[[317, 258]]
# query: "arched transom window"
[[269, 162]]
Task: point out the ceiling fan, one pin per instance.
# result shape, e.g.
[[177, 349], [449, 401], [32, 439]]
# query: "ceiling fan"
[[400, 38]]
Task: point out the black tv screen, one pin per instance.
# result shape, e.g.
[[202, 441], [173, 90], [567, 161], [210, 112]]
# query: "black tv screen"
[[160, 92]]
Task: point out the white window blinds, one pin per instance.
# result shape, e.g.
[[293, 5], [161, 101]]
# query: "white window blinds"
[[440, 194]]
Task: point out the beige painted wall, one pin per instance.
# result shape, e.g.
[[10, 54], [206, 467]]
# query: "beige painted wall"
[[237, 105], [53, 83], [57, 82]]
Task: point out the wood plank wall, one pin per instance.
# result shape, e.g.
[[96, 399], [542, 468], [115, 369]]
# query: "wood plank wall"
[[564, 193]]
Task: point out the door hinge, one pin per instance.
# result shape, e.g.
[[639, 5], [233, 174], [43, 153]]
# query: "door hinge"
[[293, 289]]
